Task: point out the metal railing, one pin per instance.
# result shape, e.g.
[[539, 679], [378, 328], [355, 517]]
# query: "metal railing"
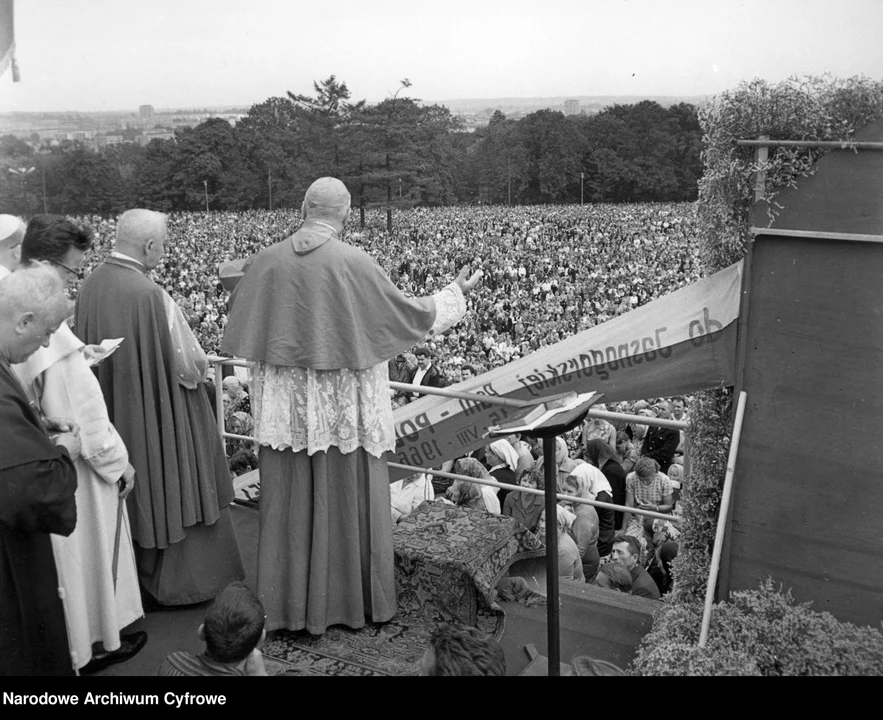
[[218, 361]]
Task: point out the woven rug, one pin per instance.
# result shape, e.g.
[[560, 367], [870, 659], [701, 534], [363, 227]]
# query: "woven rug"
[[448, 561]]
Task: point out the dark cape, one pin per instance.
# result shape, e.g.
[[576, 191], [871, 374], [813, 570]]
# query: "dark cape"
[[183, 485], [37, 486], [325, 551], [327, 307]]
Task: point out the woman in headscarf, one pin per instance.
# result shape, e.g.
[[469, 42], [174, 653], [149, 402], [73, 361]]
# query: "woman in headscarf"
[[503, 461], [462, 492], [526, 507], [585, 482], [589, 482], [603, 457], [570, 565], [562, 460]]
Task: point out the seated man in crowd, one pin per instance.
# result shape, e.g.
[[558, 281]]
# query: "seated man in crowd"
[[233, 629], [627, 553], [462, 651], [613, 577]]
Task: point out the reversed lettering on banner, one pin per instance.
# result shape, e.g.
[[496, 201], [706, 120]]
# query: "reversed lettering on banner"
[[680, 343]]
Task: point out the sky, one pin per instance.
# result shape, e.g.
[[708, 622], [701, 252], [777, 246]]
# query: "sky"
[[93, 55]]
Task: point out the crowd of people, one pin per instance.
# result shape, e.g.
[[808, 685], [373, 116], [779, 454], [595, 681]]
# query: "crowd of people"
[[508, 280], [549, 271], [620, 550]]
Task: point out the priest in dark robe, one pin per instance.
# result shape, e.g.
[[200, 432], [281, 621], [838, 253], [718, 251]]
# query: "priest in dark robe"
[[37, 485], [179, 510], [319, 319]]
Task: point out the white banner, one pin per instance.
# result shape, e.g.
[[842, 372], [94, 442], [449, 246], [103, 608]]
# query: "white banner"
[[680, 343]]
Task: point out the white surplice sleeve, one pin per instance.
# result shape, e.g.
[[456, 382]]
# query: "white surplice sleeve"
[[450, 307], [70, 390]]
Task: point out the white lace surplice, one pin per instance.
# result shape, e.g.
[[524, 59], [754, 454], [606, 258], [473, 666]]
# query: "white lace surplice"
[[312, 410]]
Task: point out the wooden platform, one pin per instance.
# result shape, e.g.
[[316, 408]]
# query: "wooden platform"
[[601, 623]]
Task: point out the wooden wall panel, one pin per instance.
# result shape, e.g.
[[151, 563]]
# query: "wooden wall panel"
[[808, 496]]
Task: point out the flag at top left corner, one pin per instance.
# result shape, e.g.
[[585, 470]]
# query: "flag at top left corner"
[[7, 40]]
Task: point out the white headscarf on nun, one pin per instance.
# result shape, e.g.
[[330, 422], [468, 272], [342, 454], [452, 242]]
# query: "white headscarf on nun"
[[503, 449]]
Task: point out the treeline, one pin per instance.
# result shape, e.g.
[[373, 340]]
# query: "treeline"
[[396, 153]]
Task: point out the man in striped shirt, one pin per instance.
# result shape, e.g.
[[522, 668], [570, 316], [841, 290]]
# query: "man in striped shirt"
[[233, 629]]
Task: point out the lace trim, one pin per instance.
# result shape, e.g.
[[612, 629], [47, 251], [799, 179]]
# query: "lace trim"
[[450, 307], [313, 410]]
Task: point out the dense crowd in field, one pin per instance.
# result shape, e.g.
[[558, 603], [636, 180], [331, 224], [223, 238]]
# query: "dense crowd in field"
[[550, 271]]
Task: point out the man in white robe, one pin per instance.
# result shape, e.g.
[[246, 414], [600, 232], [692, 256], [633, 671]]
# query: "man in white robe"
[[99, 599]]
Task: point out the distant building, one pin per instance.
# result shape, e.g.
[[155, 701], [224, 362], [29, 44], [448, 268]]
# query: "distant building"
[[145, 112], [571, 107], [148, 136], [105, 140]]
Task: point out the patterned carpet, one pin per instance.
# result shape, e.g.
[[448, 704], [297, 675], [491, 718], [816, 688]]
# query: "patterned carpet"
[[448, 561]]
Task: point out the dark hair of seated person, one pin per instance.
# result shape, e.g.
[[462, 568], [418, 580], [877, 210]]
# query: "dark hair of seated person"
[[234, 623], [243, 461], [465, 651]]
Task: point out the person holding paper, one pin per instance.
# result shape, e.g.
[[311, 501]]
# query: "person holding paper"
[[100, 599], [185, 545]]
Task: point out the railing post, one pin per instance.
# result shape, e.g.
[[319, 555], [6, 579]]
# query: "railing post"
[[551, 471], [219, 400], [722, 520], [761, 155]]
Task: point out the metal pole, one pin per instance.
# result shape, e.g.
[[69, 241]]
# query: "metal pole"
[[761, 154], [832, 144], [722, 520], [205, 184], [270, 187], [219, 399], [582, 176], [518, 488], [551, 471], [509, 176]]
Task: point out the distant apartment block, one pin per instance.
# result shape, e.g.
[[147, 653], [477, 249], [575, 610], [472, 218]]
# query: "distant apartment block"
[[148, 136], [106, 140], [76, 135], [145, 112], [571, 107]]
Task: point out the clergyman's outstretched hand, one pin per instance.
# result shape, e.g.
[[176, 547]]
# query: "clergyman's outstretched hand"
[[465, 284]]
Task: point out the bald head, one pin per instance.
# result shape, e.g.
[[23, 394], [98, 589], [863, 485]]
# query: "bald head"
[[12, 232], [32, 306], [326, 199], [141, 234]]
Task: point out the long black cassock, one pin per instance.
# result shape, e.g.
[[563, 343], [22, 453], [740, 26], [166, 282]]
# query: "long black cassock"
[[37, 486]]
